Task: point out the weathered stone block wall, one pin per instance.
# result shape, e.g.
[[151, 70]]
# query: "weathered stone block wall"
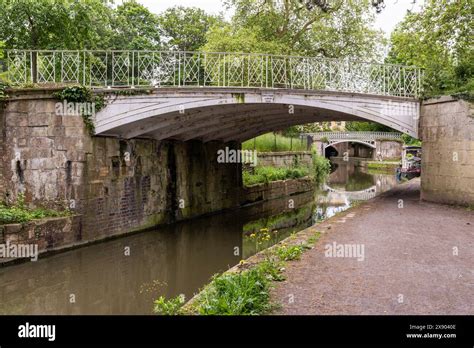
[[389, 149], [48, 233], [277, 189], [359, 150], [285, 159], [447, 132], [118, 186], [125, 186], [203, 184]]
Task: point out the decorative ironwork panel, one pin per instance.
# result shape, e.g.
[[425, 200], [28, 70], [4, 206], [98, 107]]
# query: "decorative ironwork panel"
[[376, 79], [168, 69], [191, 68], [359, 78], [17, 67], [255, 70], [70, 66], [394, 80], [334, 75], [213, 67], [234, 70], [147, 71], [145, 68], [46, 67], [411, 79], [120, 69], [317, 73], [278, 73], [299, 72], [98, 68]]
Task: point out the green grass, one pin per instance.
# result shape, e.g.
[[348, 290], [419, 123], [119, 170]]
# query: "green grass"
[[263, 233], [289, 253], [274, 143], [263, 175], [321, 167], [382, 165], [168, 307], [238, 293], [313, 239], [18, 213], [245, 293]]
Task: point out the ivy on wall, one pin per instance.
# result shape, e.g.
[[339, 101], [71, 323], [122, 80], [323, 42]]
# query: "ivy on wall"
[[81, 94]]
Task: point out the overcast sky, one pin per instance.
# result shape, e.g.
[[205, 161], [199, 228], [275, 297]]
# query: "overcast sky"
[[393, 13]]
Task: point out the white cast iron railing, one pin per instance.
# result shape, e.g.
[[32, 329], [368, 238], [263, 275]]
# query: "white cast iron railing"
[[221, 69], [363, 136]]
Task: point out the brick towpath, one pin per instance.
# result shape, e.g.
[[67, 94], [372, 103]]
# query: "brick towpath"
[[409, 266]]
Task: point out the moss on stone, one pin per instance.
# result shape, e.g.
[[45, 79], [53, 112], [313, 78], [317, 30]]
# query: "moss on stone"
[[240, 97]]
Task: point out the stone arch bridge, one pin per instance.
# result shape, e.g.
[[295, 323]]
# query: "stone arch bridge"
[[386, 144], [133, 174], [238, 114], [366, 138], [226, 96]]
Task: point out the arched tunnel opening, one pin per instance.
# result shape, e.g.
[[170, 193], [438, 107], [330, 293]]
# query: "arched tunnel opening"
[[331, 151]]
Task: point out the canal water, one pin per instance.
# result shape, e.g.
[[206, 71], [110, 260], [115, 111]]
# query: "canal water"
[[176, 259]]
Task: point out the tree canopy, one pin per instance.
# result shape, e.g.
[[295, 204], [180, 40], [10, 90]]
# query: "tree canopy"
[[438, 39], [335, 28], [98, 24], [185, 28], [134, 27], [357, 126], [314, 28], [53, 24]]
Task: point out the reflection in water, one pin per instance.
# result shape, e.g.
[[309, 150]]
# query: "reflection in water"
[[263, 233], [348, 183], [171, 260], [167, 261]]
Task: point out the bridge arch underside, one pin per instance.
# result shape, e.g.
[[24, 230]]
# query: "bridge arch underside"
[[236, 116]]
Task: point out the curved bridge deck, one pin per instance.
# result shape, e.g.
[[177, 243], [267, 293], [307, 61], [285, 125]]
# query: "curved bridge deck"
[[239, 114]]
